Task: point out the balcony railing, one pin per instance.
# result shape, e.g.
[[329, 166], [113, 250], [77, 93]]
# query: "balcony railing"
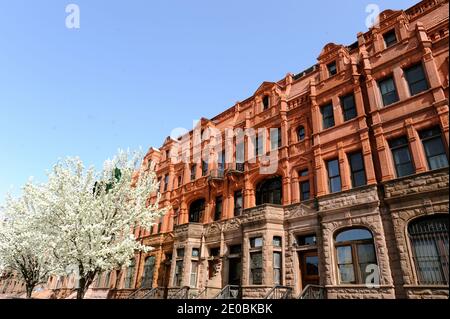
[[279, 292], [217, 174], [230, 292], [139, 293], [237, 168], [313, 292]]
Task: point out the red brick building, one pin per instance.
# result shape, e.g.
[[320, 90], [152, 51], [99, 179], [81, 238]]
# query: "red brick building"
[[357, 206]]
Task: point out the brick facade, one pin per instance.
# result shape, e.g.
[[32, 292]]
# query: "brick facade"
[[385, 205]]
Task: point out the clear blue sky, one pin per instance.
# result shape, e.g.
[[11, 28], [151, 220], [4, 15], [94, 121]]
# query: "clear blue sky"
[[137, 69]]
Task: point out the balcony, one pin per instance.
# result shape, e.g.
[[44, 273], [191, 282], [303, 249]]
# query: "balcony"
[[217, 174], [237, 168]]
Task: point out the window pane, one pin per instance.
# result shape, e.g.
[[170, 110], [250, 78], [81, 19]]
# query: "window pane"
[[344, 255], [388, 91], [390, 38], [434, 149], [305, 191], [353, 234], [346, 273], [366, 254], [416, 79], [277, 241], [301, 133], [328, 116], [312, 265], [277, 260], [333, 168], [335, 184], [349, 107]]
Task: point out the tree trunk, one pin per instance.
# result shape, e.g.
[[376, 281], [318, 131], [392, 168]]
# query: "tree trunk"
[[30, 288], [84, 284]]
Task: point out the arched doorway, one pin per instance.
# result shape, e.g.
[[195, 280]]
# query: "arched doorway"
[[270, 191], [196, 211]]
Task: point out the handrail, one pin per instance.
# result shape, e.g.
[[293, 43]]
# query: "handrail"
[[313, 292], [279, 292], [182, 293], [229, 292], [152, 294], [135, 294]]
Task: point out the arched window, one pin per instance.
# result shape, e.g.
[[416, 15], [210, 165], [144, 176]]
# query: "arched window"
[[300, 133], [147, 277], [355, 251], [196, 211], [130, 274], [429, 242], [269, 192]]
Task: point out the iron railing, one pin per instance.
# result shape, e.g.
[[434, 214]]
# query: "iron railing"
[[313, 292], [237, 167], [138, 294], [229, 292], [155, 293], [182, 293], [279, 292]]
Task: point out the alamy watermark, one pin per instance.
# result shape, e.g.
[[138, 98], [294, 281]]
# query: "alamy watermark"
[[73, 16]]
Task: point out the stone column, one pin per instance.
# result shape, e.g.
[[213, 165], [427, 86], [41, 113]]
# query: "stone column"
[[344, 168]]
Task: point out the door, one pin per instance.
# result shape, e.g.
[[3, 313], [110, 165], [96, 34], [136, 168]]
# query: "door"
[[309, 267], [234, 271]]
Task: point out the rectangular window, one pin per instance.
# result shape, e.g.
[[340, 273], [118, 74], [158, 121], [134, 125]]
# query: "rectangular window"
[[256, 268], [417, 82], [166, 182], [327, 116], [193, 172], [256, 242], [180, 253], [434, 148], [218, 210], [204, 168], [180, 181], [277, 241], [266, 102], [235, 249], [178, 273], [390, 38], [275, 139], [402, 157], [388, 91], [195, 252], [334, 176], [348, 107], [277, 268], [221, 161], [304, 173], [357, 169], [305, 191], [238, 203], [194, 271], [307, 240], [332, 69], [259, 145]]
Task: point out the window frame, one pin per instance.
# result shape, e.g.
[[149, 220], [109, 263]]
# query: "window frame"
[[353, 244], [411, 83], [330, 117], [330, 178], [332, 69], [396, 96], [397, 148], [346, 109], [391, 43], [301, 133], [353, 172], [427, 139]]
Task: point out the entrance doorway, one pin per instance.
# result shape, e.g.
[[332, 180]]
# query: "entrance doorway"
[[309, 268], [234, 271]]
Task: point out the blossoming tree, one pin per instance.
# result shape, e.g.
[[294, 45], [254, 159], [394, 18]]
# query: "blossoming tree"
[[91, 216], [24, 248]]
